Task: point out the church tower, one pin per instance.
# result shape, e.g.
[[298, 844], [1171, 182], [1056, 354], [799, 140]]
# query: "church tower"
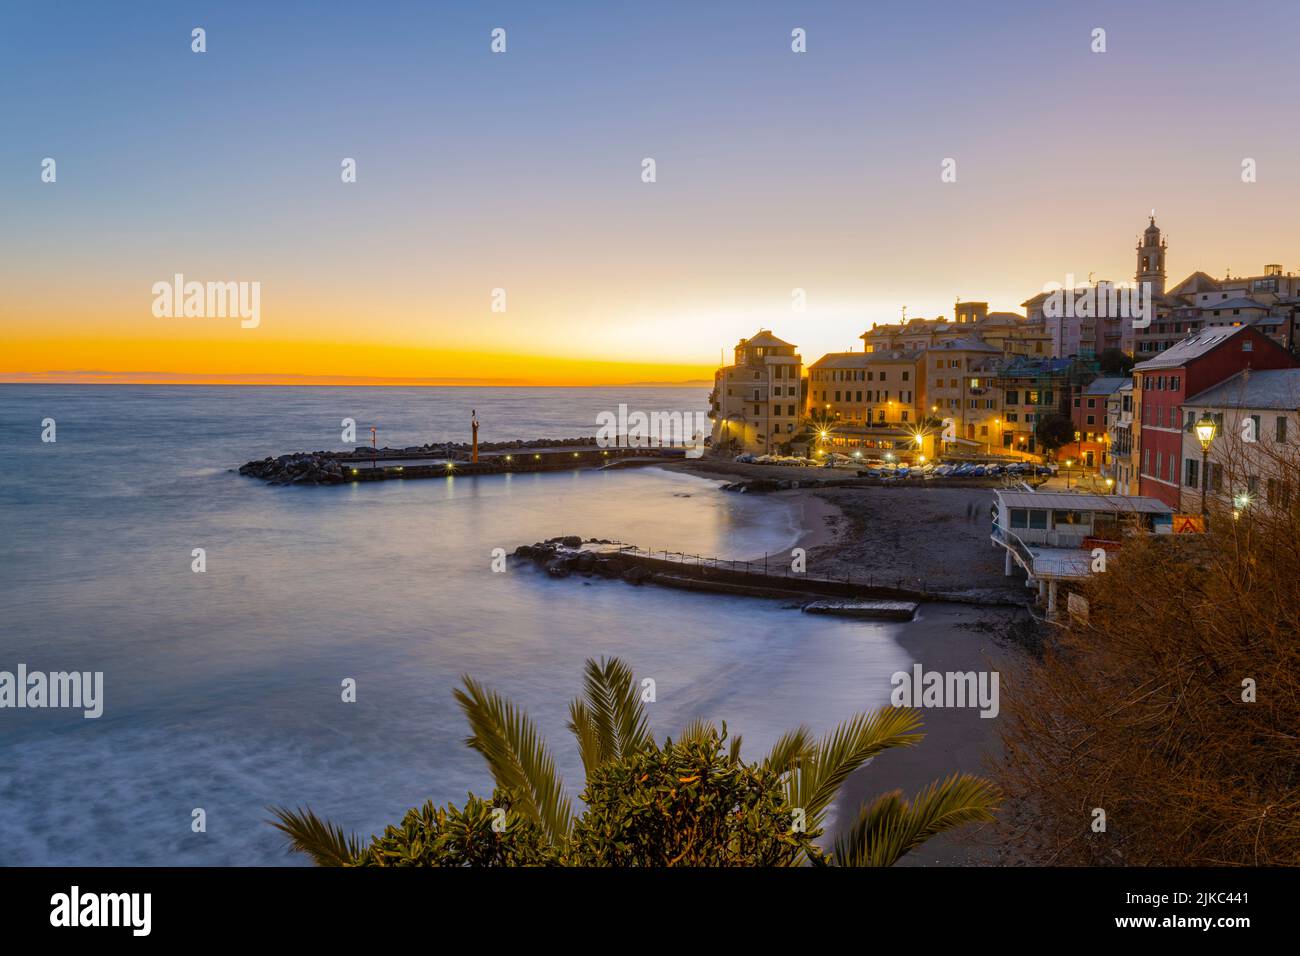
[[1151, 258]]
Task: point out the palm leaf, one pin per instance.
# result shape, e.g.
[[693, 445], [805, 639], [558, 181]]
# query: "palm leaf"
[[609, 722], [891, 827], [819, 775], [734, 754], [517, 757], [319, 839], [793, 747]]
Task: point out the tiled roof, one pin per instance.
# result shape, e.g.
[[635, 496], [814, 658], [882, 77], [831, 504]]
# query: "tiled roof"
[[764, 337], [1106, 385], [1270, 388], [1192, 347], [963, 344], [859, 359]]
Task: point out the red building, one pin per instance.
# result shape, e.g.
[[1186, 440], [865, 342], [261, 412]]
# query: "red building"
[[1088, 412], [1160, 385]]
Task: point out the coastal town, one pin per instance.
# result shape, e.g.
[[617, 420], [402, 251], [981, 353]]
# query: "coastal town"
[[1142, 421]]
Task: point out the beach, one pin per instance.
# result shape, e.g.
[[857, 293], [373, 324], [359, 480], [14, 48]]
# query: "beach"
[[931, 538]]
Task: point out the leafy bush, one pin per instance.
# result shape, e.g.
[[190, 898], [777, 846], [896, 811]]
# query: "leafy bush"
[[688, 803]]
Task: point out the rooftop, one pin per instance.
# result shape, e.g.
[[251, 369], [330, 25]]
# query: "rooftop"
[[964, 344], [859, 359], [763, 338], [1241, 302], [1272, 388], [1107, 385], [1068, 501], [1191, 348]]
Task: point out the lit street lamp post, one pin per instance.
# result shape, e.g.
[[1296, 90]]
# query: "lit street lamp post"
[[1205, 432]]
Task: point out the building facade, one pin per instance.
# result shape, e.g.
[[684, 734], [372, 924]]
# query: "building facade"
[[1162, 384], [757, 402]]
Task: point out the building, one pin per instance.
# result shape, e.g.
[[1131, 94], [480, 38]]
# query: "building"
[[1255, 457], [1161, 385], [1053, 537], [1010, 333], [1270, 301], [959, 390], [1031, 388], [1091, 447], [1119, 427], [871, 401], [756, 403]]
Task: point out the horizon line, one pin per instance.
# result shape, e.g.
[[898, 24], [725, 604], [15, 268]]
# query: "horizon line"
[[326, 381]]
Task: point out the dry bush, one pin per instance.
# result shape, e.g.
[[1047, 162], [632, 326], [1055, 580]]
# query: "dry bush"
[[1140, 710]]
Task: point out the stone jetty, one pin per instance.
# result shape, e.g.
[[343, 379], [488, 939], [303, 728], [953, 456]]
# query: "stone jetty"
[[447, 460], [568, 555]]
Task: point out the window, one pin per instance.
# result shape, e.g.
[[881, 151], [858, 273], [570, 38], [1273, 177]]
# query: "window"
[[1067, 518], [1193, 479], [1019, 518], [1281, 429], [1038, 519]]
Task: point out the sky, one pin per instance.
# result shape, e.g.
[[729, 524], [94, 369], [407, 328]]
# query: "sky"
[[522, 171]]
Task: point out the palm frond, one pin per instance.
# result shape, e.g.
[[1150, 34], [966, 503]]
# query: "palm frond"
[[319, 839], [517, 756], [591, 748], [818, 777], [609, 722], [787, 752], [696, 731], [890, 827]]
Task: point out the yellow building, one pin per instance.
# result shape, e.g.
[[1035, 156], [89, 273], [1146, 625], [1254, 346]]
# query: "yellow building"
[[959, 388], [871, 404], [756, 405]]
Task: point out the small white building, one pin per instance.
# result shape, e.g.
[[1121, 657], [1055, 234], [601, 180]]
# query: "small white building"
[[1055, 537]]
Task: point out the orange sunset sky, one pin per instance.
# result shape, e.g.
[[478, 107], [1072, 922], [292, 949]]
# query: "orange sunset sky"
[[522, 171]]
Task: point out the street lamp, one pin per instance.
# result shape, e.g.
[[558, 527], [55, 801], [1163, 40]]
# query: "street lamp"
[[1068, 463], [1110, 483], [1206, 429]]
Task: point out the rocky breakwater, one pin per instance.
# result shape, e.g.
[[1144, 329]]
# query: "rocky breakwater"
[[312, 468], [563, 556]]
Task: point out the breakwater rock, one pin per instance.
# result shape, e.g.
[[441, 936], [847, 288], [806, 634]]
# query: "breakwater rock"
[[313, 468]]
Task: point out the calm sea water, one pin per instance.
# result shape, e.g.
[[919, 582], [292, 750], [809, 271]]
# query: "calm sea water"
[[222, 689]]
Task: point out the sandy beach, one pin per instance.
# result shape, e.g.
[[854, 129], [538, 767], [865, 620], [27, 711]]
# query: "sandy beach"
[[928, 537]]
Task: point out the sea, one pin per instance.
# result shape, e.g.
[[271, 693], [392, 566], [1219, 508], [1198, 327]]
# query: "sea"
[[224, 689]]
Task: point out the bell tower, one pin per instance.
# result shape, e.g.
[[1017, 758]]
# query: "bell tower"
[[1151, 257]]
